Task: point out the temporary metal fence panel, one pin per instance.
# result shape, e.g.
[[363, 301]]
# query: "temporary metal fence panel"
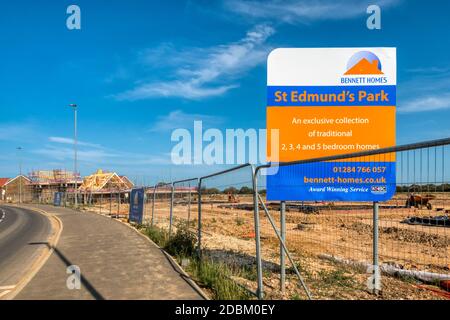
[[148, 204], [124, 204], [414, 225], [340, 245], [226, 225], [103, 203], [275, 257], [185, 204], [115, 203], [161, 210]]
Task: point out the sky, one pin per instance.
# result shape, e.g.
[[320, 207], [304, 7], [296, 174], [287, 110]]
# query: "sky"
[[140, 69]]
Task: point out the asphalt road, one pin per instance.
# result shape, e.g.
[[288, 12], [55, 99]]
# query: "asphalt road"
[[22, 234]]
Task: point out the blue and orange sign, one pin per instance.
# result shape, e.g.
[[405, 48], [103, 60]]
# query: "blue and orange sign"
[[137, 199], [328, 102]]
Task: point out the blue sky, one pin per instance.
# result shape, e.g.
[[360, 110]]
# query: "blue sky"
[[139, 69]]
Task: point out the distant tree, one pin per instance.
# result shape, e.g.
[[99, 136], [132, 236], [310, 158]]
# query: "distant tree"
[[245, 190], [231, 190], [210, 190]]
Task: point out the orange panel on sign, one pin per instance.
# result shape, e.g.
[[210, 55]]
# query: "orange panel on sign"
[[313, 132]]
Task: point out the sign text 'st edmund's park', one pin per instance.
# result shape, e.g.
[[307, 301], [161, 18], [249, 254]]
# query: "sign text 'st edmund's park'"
[[331, 101]]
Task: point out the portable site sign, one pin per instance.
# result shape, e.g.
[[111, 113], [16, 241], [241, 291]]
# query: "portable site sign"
[[332, 101], [137, 197], [57, 199]]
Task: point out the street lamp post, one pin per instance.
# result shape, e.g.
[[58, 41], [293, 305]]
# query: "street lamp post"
[[20, 173], [75, 142]]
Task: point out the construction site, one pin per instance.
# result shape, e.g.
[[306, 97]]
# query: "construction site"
[[325, 239], [331, 242], [40, 186], [44, 183]]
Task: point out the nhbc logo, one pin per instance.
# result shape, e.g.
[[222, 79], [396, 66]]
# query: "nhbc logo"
[[378, 189], [360, 66]]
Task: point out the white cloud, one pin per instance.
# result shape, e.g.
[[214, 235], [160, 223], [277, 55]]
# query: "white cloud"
[[201, 73], [301, 12], [189, 90], [58, 152], [63, 154], [427, 90], [64, 140], [426, 103], [429, 70], [18, 132], [179, 119], [101, 158], [96, 154], [121, 73]]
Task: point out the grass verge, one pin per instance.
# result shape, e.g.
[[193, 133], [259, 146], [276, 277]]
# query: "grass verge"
[[211, 275]]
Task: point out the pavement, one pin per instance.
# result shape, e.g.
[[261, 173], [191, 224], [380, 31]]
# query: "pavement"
[[21, 235], [114, 260]]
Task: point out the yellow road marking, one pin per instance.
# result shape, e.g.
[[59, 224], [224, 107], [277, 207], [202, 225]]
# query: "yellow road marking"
[[7, 287]]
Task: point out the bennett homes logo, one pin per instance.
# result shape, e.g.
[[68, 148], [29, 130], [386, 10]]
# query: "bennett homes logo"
[[136, 199], [364, 67]]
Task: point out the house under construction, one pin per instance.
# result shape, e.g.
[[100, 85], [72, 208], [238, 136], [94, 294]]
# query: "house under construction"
[[100, 185], [45, 183], [105, 182]]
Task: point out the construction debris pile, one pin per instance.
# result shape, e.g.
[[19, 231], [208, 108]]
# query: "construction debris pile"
[[439, 221]]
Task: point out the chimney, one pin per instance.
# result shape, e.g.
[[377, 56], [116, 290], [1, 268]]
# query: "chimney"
[[375, 63]]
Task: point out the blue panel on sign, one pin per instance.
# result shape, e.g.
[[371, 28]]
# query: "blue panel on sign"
[[137, 205], [334, 181], [383, 95]]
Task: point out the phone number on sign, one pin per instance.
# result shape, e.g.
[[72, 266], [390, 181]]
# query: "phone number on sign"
[[359, 169]]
